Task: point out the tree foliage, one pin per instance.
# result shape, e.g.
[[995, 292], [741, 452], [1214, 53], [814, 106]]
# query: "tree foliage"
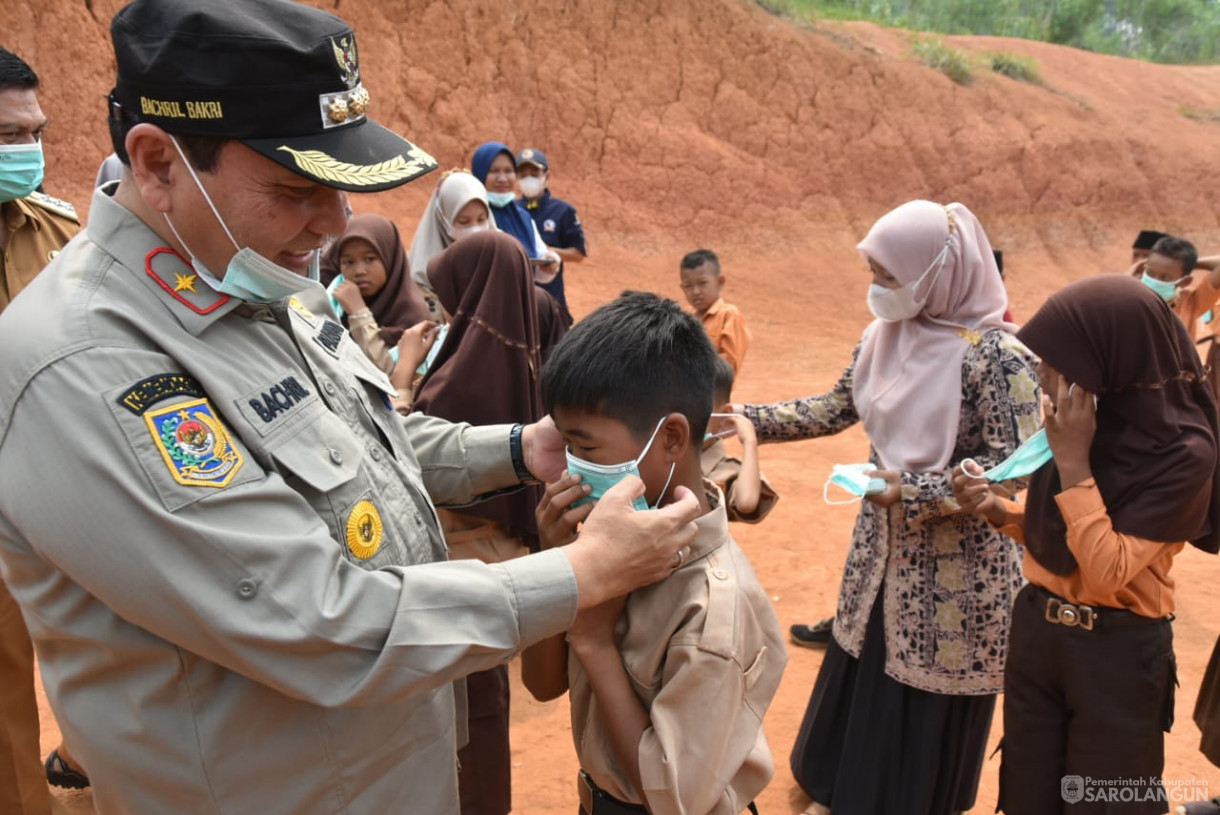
[[1179, 31]]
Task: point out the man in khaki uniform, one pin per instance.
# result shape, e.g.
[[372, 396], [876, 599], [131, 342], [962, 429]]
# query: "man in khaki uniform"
[[222, 537], [33, 228]]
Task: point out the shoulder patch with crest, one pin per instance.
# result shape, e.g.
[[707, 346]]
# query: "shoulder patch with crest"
[[53, 204], [194, 443]]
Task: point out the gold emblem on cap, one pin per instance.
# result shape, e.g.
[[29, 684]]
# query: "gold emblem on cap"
[[358, 101], [364, 530], [345, 55], [328, 168], [342, 107]]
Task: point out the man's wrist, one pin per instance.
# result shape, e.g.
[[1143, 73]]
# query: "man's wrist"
[[516, 449]]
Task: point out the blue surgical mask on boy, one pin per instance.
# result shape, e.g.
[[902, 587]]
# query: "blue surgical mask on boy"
[[1025, 460], [601, 477], [21, 169], [851, 477], [249, 276], [1166, 290]]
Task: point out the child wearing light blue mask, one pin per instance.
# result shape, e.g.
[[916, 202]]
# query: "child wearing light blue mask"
[[630, 390]]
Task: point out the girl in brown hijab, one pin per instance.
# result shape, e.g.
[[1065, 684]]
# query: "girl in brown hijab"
[[379, 303], [487, 373], [1132, 427]]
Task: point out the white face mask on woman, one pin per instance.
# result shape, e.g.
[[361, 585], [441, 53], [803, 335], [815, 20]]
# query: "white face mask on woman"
[[902, 303], [460, 232]]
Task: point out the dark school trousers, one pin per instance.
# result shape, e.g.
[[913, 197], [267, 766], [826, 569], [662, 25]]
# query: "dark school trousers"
[[1085, 713]]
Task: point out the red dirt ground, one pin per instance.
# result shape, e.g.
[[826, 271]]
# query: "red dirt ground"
[[678, 123]]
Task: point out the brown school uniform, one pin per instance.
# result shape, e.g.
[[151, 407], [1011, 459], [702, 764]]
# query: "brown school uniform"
[[705, 653], [718, 466], [726, 327], [1130, 592]]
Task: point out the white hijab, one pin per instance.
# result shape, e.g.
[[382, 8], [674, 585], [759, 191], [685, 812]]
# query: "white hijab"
[[908, 377], [434, 234]]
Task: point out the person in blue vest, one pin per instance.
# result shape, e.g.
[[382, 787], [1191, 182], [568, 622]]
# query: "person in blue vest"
[[555, 218]]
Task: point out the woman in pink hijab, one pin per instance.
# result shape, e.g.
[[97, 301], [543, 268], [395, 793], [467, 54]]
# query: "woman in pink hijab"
[[901, 709]]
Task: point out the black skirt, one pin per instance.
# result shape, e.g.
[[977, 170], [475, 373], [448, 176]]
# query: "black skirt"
[[869, 745]]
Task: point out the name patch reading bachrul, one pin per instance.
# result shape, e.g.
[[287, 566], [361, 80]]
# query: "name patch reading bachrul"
[[279, 398]]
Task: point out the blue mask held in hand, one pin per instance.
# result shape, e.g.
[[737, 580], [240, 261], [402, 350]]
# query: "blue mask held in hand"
[[851, 477], [21, 169], [1166, 290], [1025, 460], [601, 477]]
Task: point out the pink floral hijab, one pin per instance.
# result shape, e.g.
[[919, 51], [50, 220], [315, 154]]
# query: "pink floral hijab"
[[908, 376]]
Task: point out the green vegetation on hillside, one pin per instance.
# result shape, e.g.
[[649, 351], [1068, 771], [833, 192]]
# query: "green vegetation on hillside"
[[1177, 31]]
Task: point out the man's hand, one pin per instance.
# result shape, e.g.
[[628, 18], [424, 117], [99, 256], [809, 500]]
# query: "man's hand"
[[543, 450], [1071, 423], [620, 549], [557, 518]]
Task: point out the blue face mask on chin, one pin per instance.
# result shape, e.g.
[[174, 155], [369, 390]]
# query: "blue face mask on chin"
[[601, 477], [21, 169], [249, 276], [500, 199], [1025, 460]]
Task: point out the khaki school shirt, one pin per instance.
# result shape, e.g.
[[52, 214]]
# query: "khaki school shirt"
[[722, 469], [705, 654], [224, 544], [38, 226]]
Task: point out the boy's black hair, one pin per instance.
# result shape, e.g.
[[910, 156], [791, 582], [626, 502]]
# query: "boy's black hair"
[[634, 360], [1180, 249], [15, 72], [722, 382], [695, 259]]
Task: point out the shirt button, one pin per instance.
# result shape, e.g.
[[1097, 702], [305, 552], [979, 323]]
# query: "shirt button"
[[375, 452], [329, 387], [247, 588], [720, 574], [336, 456]]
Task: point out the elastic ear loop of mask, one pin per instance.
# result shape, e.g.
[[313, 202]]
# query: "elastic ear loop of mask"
[[836, 503], [206, 197]]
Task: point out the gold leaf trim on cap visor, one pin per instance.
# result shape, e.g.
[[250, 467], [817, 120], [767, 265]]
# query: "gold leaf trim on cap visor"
[[320, 165]]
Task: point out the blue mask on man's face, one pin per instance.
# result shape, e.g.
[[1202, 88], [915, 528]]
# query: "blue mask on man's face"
[[21, 168], [601, 477]]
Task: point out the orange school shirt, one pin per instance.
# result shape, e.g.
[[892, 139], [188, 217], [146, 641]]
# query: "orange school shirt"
[[726, 327]]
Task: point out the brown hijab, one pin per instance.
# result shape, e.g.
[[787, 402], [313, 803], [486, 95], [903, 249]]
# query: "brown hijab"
[[487, 370], [1155, 454], [398, 305]]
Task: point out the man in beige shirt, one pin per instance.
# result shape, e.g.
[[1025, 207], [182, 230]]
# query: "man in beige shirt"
[[670, 684], [33, 228], [222, 538]]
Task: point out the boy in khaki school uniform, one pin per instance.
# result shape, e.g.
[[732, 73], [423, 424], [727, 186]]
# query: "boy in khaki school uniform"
[[748, 495], [669, 685]]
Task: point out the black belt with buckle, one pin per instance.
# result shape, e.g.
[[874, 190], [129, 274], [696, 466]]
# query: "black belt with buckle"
[[1077, 615], [596, 801]]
